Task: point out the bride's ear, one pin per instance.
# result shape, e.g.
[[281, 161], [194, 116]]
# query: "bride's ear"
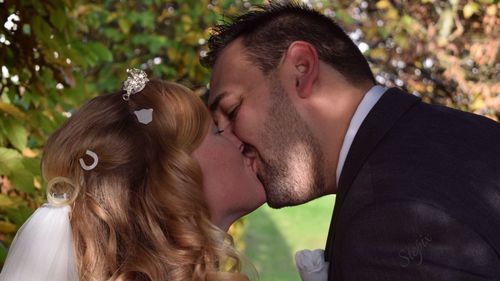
[[300, 69]]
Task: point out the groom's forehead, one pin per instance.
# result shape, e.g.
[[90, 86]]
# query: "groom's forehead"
[[228, 80], [234, 56], [233, 75]]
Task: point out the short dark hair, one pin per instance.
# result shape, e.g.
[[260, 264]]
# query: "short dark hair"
[[267, 31]]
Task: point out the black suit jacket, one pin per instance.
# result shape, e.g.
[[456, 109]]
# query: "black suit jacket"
[[418, 197]]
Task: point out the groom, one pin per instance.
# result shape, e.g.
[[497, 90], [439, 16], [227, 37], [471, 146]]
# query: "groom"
[[418, 185]]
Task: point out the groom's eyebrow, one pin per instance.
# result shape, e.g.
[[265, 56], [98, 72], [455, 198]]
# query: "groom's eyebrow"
[[215, 104]]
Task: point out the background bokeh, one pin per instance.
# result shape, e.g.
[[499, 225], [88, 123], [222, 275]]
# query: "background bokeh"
[[55, 54]]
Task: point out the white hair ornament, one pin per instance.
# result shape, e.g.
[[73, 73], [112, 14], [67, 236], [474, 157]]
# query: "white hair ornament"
[[94, 163]]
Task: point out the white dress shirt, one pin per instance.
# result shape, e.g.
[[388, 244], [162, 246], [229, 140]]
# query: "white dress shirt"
[[364, 107]]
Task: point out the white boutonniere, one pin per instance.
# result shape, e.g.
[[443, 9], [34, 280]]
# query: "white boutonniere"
[[311, 265]]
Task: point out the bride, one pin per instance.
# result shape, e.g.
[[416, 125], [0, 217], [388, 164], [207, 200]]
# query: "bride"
[[141, 186]]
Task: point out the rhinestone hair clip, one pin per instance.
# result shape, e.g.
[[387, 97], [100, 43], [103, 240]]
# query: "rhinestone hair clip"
[[135, 82]]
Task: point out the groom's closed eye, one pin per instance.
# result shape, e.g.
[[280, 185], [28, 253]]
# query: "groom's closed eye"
[[227, 105], [215, 103], [232, 113]]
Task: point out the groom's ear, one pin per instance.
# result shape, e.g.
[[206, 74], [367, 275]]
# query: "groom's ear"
[[300, 68]]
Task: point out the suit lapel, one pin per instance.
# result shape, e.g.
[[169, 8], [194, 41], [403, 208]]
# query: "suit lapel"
[[391, 106]]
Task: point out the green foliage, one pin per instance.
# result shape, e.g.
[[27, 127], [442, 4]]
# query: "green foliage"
[[444, 51]]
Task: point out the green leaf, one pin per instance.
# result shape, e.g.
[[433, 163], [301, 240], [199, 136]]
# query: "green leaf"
[[145, 19], [112, 34], [42, 30], [74, 55], [89, 58], [32, 165], [22, 180], [12, 110], [154, 43], [19, 215], [58, 18], [6, 201], [45, 123], [16, 134], [401, 40], [3, 133], [124, 25], [100, 51], [3, 253], [10, 160]]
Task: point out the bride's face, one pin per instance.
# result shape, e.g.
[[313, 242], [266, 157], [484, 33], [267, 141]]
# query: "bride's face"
[[230, 186]]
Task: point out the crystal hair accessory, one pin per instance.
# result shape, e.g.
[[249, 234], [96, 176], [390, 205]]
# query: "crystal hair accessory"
[[135, 82]]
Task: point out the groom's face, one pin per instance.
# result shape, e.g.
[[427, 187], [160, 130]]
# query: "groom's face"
[[257, 110]]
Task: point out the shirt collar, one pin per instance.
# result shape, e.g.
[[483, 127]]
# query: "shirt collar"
[[364, 107]]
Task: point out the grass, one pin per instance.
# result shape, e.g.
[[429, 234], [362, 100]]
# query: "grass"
[[271, 237]]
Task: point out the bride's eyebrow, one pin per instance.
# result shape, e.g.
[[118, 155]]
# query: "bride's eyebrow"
[[215, 104]]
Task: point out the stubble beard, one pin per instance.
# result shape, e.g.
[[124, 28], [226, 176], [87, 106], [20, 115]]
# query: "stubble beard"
[[292, 171]]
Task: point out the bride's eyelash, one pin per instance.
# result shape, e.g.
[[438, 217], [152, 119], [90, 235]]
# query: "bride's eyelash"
[[218, 131]]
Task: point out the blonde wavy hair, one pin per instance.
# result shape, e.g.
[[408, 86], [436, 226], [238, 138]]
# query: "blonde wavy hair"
[[140, 213]]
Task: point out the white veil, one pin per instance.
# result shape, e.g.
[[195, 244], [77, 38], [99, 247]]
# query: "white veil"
[[42, 249]]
